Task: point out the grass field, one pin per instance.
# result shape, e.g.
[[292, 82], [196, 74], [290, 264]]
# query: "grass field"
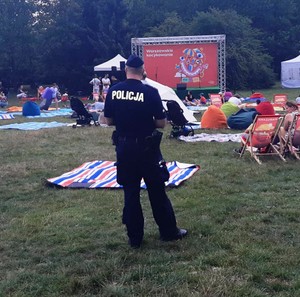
[[243, 221]]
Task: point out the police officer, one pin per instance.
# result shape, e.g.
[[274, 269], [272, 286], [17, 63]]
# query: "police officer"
[[136, 111]]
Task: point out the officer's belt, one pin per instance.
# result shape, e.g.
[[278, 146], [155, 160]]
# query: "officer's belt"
[[140, 139]]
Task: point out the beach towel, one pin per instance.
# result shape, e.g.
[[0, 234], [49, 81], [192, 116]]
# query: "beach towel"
[[102, 174], [33, 125], [14, 109], [212, 137]]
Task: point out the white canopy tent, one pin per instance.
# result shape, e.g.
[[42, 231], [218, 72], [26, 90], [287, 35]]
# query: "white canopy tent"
[[114, 62], [290, 73], [167, 93]]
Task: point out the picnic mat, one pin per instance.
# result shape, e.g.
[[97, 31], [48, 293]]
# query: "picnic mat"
[[102, 174], [33, 125], [212, 137], [197, 108], [53, 113]]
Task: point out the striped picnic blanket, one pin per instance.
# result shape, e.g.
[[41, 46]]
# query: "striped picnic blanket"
[[4, 116], [102, 174]]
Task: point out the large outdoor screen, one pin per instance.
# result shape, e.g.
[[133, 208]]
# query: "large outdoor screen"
[[195, 65]]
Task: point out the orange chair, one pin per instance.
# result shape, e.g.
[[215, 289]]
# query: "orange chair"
[[216, 99], [262, 134], [279, 100]]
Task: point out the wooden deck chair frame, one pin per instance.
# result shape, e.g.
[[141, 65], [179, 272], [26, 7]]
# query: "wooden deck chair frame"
[[261, 138], [216, 99], [292, 142], [279, 100]]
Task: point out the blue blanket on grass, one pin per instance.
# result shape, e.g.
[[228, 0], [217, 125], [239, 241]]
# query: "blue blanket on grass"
[[54, 113], [44, 114], [33, 125]]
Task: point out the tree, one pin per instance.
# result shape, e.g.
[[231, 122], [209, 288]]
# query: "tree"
[[247, 64], [63, 52], [16, 42], [171, 26]]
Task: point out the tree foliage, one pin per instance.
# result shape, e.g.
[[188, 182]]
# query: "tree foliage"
[[246, 63], [46, 41]]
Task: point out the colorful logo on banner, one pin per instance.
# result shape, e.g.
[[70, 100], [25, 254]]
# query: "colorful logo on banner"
[[192, 64]]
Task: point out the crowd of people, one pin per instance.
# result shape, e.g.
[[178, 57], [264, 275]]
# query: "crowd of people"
[[239, 113], [102, 84]]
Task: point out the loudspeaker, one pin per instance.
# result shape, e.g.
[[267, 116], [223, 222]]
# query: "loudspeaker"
[[181, 86], [114, 69], [122, 65]]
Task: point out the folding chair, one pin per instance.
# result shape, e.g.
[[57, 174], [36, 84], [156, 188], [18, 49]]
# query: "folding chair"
[[215, 99], [292, 142], [279, 100], [261, 138]]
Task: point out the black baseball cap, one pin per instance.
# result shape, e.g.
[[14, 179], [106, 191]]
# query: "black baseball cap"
[[134, 61]]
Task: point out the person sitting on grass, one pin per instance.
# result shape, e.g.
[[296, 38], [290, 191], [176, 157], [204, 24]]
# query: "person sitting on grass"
[[96, 110], [202, 100], [47, 95], [189, 99], [21, 93], [3, 100]]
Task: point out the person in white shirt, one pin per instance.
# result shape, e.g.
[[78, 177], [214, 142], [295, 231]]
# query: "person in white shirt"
[[106, 84], [298, 100], [96, 85]]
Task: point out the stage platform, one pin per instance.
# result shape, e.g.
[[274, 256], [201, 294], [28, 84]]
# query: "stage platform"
[[196, 92]]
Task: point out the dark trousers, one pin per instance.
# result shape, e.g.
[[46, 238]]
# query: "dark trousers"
[[135, 162]]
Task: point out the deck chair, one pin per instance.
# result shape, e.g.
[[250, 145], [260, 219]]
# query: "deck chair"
[[216, 99], [279, 100], [175, 116], [83, 117], [292, 142], [261, 138]]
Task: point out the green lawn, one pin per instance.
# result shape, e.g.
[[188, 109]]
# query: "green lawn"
[[243, 220]]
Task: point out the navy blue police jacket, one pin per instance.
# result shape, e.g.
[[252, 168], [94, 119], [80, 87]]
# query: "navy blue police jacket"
[[133, 106]]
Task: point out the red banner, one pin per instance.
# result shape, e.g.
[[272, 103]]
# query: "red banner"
[[196, 65]]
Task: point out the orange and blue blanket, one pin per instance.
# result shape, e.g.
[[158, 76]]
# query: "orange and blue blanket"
[[102, 174]]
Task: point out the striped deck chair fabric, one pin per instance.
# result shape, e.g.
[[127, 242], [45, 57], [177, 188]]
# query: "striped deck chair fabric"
[[261, 138], [279, 100], [215, 99]]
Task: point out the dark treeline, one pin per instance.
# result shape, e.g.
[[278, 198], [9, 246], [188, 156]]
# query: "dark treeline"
[[46, 41]]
